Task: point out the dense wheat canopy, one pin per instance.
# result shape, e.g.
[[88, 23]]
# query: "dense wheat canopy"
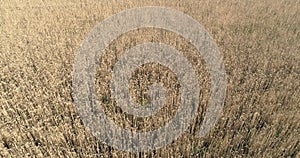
[[259, 40]]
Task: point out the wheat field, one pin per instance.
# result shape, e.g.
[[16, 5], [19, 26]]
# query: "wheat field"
[[259, 40]]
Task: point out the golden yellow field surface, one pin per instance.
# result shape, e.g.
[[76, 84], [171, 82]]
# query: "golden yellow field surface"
[[259, 41]]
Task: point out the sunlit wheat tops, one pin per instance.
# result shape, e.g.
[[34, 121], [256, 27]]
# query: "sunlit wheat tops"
[[258, 39]]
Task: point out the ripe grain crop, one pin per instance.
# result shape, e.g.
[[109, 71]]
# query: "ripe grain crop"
[[259, 40]]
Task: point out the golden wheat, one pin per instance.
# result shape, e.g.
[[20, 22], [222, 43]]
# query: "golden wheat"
[[258, 39]]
